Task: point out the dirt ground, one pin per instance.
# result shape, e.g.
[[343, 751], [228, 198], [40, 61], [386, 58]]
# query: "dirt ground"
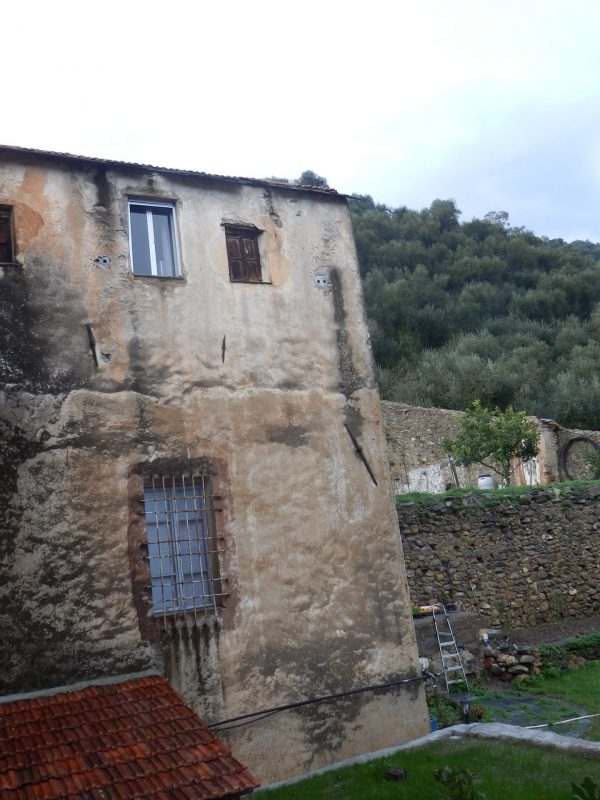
[[556, 632]]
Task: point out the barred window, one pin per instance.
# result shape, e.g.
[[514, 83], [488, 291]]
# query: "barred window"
[[182, 545]]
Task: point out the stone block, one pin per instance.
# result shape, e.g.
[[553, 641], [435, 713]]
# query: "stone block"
[[518, 669], [526, 660], [506, 660], [524, 650]]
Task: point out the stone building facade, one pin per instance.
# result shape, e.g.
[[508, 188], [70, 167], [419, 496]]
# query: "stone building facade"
[[419, 464], [417, 460], [194, 462]]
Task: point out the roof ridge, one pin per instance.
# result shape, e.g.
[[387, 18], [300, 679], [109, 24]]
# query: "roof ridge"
[[80, 685], [55, 154]]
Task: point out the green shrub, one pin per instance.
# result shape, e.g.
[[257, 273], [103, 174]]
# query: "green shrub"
[[554, 656], [484, 497], [586, 646], [592, 461], [445, 713], [459, 783], [586, 790]]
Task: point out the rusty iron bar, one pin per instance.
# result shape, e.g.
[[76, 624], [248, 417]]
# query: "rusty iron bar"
[[361, 453], [92, 341]]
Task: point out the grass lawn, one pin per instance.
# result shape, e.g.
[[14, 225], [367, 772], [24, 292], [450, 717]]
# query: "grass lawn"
[[579, 686], [517, 706], [505, 770]]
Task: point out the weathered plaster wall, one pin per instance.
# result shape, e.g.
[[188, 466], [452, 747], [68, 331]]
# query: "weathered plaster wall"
[[259, 378], [518, 561]]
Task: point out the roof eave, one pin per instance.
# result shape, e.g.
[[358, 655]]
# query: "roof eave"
[[130, 165]]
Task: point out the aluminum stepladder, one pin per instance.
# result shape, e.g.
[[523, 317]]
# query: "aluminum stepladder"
[[451, 662]]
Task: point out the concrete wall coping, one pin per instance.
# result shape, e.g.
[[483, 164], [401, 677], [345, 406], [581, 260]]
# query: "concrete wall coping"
[[76, 687]]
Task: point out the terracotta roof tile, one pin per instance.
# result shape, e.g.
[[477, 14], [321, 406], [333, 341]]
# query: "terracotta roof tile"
[[131, 739], [71, 157]]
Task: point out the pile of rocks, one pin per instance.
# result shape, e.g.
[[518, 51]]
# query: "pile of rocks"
[[511, 662]]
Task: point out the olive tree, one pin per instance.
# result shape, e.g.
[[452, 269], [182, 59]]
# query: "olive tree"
[[493, 438]]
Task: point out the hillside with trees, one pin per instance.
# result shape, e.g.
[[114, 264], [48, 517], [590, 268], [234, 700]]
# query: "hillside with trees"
[[460, 311]]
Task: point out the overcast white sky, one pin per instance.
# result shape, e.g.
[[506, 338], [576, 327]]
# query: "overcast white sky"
[[495, 104]]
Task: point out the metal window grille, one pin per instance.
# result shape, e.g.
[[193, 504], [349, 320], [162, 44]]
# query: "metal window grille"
[[182, 545]]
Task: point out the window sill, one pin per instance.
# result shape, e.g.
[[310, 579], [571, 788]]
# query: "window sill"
[[252, 283], [205, 611], [179, 278]]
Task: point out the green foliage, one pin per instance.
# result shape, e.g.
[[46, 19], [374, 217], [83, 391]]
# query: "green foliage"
[[592, 460], [586, 790], [480, 310], [310, 178], [556, 604], [479, 713], [585, 646], [445, 713], [460, 784], [505, 615], [493, 438], [484, 497]]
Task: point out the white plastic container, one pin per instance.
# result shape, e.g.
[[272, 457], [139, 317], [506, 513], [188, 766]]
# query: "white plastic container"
[[486, 482]]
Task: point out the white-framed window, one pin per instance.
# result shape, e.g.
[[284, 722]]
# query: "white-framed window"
[[153, 239], [182, 543]]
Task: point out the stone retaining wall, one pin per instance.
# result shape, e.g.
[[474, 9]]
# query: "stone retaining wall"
[[519, 561]]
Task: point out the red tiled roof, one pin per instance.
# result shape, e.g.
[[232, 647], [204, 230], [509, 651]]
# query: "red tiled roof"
[[191, 173], [137, 738]]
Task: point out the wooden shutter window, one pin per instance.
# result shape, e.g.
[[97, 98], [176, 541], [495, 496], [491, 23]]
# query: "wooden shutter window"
[[243, 255], [6, 244]]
